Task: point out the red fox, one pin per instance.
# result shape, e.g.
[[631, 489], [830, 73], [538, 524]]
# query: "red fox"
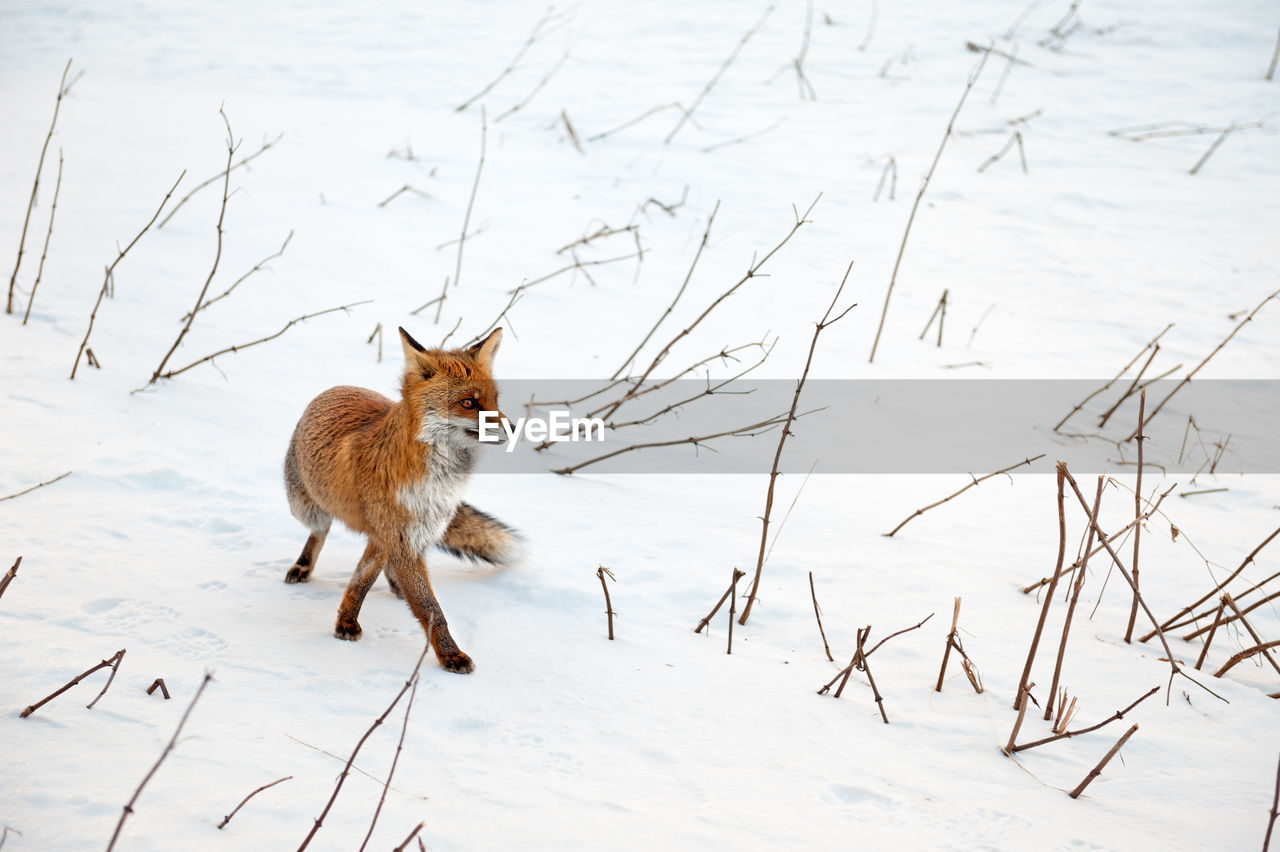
[[395, 472]]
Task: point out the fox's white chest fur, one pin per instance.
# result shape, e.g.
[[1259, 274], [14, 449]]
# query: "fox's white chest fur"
[[433, 500]]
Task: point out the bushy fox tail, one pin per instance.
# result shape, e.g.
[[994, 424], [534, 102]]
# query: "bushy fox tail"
[[482, 537]]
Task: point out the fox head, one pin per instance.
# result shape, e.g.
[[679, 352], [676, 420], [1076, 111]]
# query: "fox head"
[[448, 389]]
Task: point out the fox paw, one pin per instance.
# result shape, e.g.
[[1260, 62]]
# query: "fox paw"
[[348, 629], [297, 574], [456, 662]]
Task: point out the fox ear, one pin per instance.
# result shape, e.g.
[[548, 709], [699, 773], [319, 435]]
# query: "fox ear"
[[410, 345], [487, 348]]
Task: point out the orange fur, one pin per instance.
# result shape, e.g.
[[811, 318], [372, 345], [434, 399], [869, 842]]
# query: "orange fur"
[[395, 472]]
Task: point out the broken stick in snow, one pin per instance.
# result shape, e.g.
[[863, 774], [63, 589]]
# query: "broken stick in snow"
[[1018, 703], [608, 605], [13, 572], [737, 575], [111, 662], [226, 819], [1097, 770], [818, 615]]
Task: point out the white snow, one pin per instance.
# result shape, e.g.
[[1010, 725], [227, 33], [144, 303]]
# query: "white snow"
[[172, 534]]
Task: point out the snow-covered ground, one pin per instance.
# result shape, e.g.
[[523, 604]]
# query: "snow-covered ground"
[[171, 535]]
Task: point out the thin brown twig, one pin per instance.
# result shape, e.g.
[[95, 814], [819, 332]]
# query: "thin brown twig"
[[1153, 342], [1217, 619], [256, 267], [1119, 714], [244, 161], [1218, 587], [290, 324], [601, 572], [946, 654], [1268, 599], [636, 120], [752, 272], [893, 278], [108, 277], [409, 839], [1137, 513], [466, 219], [1187, 378], [579, 265], [1097, 770], [975, 480], [1176, 669], [1115, 536], [1209, 153], [688, 114], [109, 662], [31, 202], [546, 78], [48, 235], [159, 684], [727, 592], [128, 808], [9, 575], [386, 785], [827, 320], [733, 603], [412, 679], [817, 613], [115, 667], [222, 212], [725, 355], [226, 819], [1076, 587], [1275, 801], [1048, 598], [34, 487], [537, 33]]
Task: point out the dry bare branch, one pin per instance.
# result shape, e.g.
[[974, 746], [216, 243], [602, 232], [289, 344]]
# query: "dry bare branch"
[[752, 272], [817, 613], [749, 431], [602, 572], [1076, 587], [110, 662], [546, 25], [222, 212], [9, 575], [827, 320], [244, 161], [976, 480], [34, 487], [128, 808], [1097, 770], [386, 785], [579, 265], [687, 114], [973, 78], [53, 211], [256, 267], [1271, 70], [1154, 342], [1018, 703], [290, 324], [1119, 714], [546, 78], [108, 278], [346, 770], [226, 819], [31, 202], [466, 219], [702, 244], [637, 120], [401, 191]]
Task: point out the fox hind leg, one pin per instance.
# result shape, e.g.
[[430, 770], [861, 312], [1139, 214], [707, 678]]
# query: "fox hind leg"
[[309, 513], [347, 626]]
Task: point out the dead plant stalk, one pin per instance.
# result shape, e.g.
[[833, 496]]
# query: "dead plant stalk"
[[827, 320]]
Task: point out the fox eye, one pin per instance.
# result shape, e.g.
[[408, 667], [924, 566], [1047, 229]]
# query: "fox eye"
[[469, 403]]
